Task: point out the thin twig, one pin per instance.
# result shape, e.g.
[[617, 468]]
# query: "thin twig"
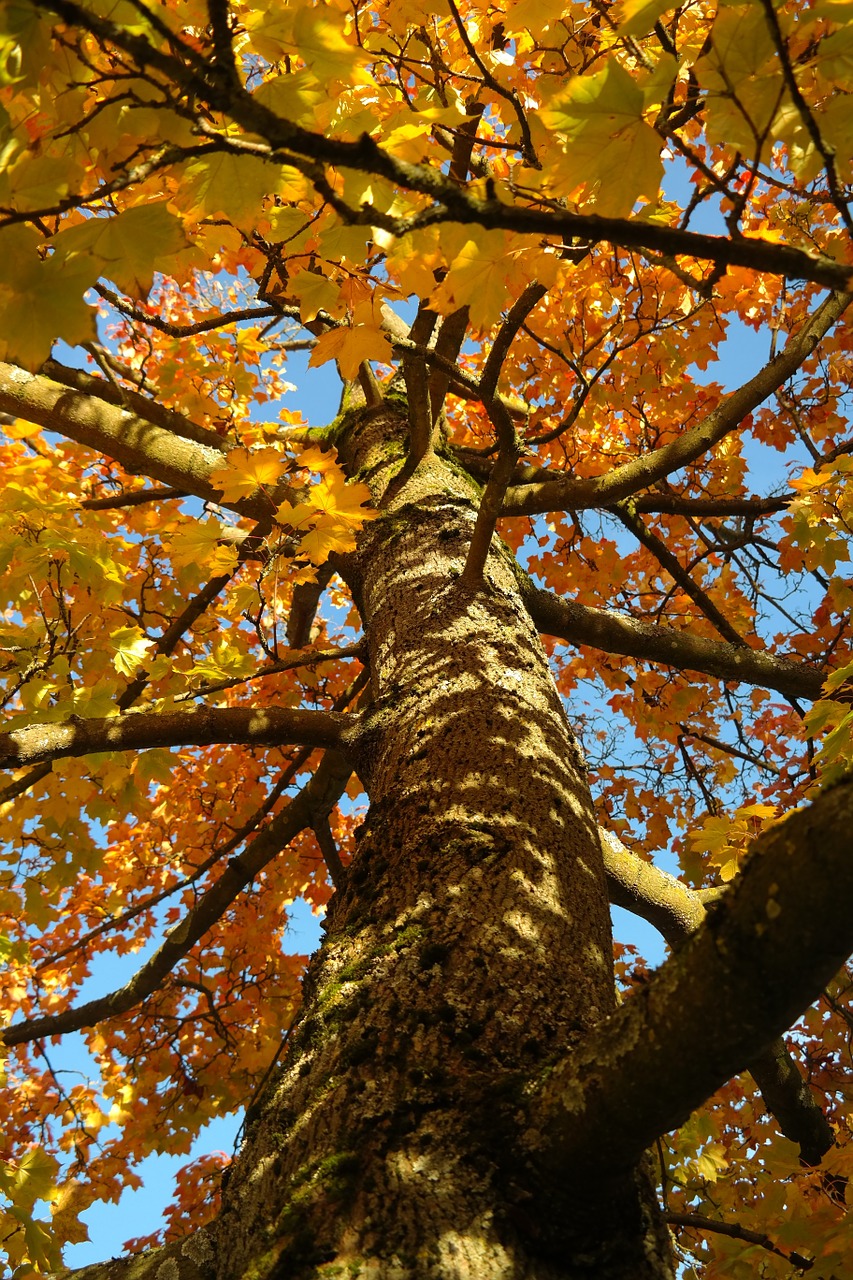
[[677, 572], [696, 1222]]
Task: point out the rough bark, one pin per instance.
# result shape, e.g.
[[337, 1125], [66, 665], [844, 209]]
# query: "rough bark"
[[766, 950], [138, 443], [469, 944], [139, 730], [617, 633]]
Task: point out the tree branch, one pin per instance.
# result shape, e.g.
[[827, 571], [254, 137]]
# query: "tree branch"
[[766, 951], [696, 1222], [137, 443], [677, 912], [490, 503], [133, 498], [677, 572], [617, 633], [314, 801], [139, 730], [142, 406], [570, 493], [20, 785], [449, 202]]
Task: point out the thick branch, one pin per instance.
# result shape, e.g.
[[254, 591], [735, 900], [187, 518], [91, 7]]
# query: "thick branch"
[[187, 1258], [143, 407], [139, 730], [644, 889], [765, 952], [617, 633], [568, 493], [137, 443], [312, 804], [677, 912]]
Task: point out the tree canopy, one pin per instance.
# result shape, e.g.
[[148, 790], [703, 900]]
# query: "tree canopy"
[[538, 230]]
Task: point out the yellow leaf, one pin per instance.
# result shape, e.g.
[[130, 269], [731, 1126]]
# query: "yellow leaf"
[[246, 472], [306, 574], [41, 301], [321, 43], [235, 185], [223, 560], [318, 459], [129, 247], [745, 87], [319, 543], [295, 97], [194, 543], [610, 150], [130, 648], [20, 429], [34, 1178], [315, 293], [38, 181], [350, 345], [301, 516], [477, 279], [637, 17], [342, 501]]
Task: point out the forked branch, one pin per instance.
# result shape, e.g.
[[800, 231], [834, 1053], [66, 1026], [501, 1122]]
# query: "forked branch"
[[764, 953]]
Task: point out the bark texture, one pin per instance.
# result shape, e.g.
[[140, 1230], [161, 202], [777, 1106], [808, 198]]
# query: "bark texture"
[[467, 950]]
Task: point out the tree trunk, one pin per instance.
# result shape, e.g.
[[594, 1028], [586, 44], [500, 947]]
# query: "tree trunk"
[[468, 948]]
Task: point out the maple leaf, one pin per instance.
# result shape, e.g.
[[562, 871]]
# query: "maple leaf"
[[342, 501], [315, 293], [299, 516], [341, 167], [227, 184], [637, 17], [246, 471], [610, 150], [196, 542], [350, 345], [327, 536], [320, 460], [27, 332], [128, 247], [130, 649], [318, 37]]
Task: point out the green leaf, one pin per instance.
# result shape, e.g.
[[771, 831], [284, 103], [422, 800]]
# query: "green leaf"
[[235, 185], [637, 17], [41, 301], [130, 649], [129, 248], [609, 147], [34, 1179], [742, 78]]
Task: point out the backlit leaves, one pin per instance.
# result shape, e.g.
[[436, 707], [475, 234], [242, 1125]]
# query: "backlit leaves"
[[610, 151], [350, 345], [247, 471], [331, 513], [128, 248]]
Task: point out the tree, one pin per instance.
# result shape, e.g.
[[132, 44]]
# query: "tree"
[[520, 232]]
